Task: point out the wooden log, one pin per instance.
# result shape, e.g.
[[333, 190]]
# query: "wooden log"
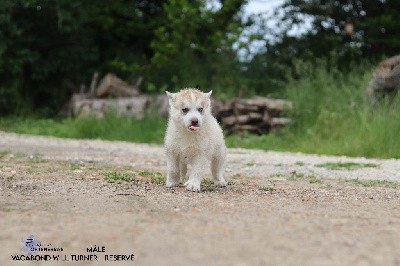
[[245, 108], [242, 119], [385, 81], [112, 85], [221, 109], [280, 121], [266, 117], [248, 128], [268, 103], [161, 103], [253, 116], [93, 83], [229, 121], [132, 106]]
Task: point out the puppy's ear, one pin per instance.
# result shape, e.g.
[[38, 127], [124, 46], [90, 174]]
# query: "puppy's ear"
[[208, 94], [171, 96]]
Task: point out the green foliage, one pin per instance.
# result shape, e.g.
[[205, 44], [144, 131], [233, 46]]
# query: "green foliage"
[[49, 48], [312, 30], [375, 26], [194, 45], [330, 116]]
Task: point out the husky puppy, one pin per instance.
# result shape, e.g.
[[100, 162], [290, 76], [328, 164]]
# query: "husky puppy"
[[194, 138]]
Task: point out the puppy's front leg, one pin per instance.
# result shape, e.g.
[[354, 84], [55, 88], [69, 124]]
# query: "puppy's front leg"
[[183, 170], [173, 170], [196, 174]]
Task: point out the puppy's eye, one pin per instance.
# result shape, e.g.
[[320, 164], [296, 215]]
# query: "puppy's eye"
[[185, 110], [200, 110]]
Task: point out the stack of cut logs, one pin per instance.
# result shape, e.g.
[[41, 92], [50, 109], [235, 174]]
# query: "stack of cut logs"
[[257, 115], [111, 93]]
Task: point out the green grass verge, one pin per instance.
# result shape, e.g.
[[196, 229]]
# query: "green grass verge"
[[148, 130], [346, 165]]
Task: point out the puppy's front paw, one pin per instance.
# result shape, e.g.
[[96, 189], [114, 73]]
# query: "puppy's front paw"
[[172, 183], [221, 183], [193, 186]]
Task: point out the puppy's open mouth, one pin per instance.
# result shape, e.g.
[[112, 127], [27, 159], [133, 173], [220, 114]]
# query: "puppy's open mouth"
[[193, 128]]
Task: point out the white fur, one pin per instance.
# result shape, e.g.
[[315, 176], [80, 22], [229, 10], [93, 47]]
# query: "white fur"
[[197, 147]]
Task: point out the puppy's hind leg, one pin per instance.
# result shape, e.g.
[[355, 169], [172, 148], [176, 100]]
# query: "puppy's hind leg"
[[217, 170], [173, 170]]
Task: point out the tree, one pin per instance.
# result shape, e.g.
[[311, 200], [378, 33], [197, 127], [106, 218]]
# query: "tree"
[[375, 27], [194, 44], [49, 47], [323, 24]]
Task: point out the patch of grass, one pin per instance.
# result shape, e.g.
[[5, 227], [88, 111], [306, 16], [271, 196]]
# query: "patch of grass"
[[231, 182], [346, 165], [37, 159], [295, 175], [207, 185], [299, 163], [155, 177], [74, 165], [11, 176], [375, 183], [3, 154], [117, 177], [267, 188], [313, 179], [207, 182], [236, 176]]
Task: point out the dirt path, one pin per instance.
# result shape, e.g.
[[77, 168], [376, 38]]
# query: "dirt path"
[[279, 208]]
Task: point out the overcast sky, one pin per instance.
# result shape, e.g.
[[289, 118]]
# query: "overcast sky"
[[258, 6], [255, 7]]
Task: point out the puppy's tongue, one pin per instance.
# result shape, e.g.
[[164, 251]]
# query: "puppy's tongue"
[[194, 128]]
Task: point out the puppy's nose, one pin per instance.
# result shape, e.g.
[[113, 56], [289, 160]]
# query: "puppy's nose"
[[194, 122]]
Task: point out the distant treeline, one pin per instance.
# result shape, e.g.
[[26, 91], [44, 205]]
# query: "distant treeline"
[[49, 47]]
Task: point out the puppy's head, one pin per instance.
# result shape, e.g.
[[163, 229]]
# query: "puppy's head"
[[189, 107]]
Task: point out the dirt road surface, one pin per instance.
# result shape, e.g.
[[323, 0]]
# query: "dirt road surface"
[[278, 209]]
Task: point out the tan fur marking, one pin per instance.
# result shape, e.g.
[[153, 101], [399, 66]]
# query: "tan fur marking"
[[190, 95]]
